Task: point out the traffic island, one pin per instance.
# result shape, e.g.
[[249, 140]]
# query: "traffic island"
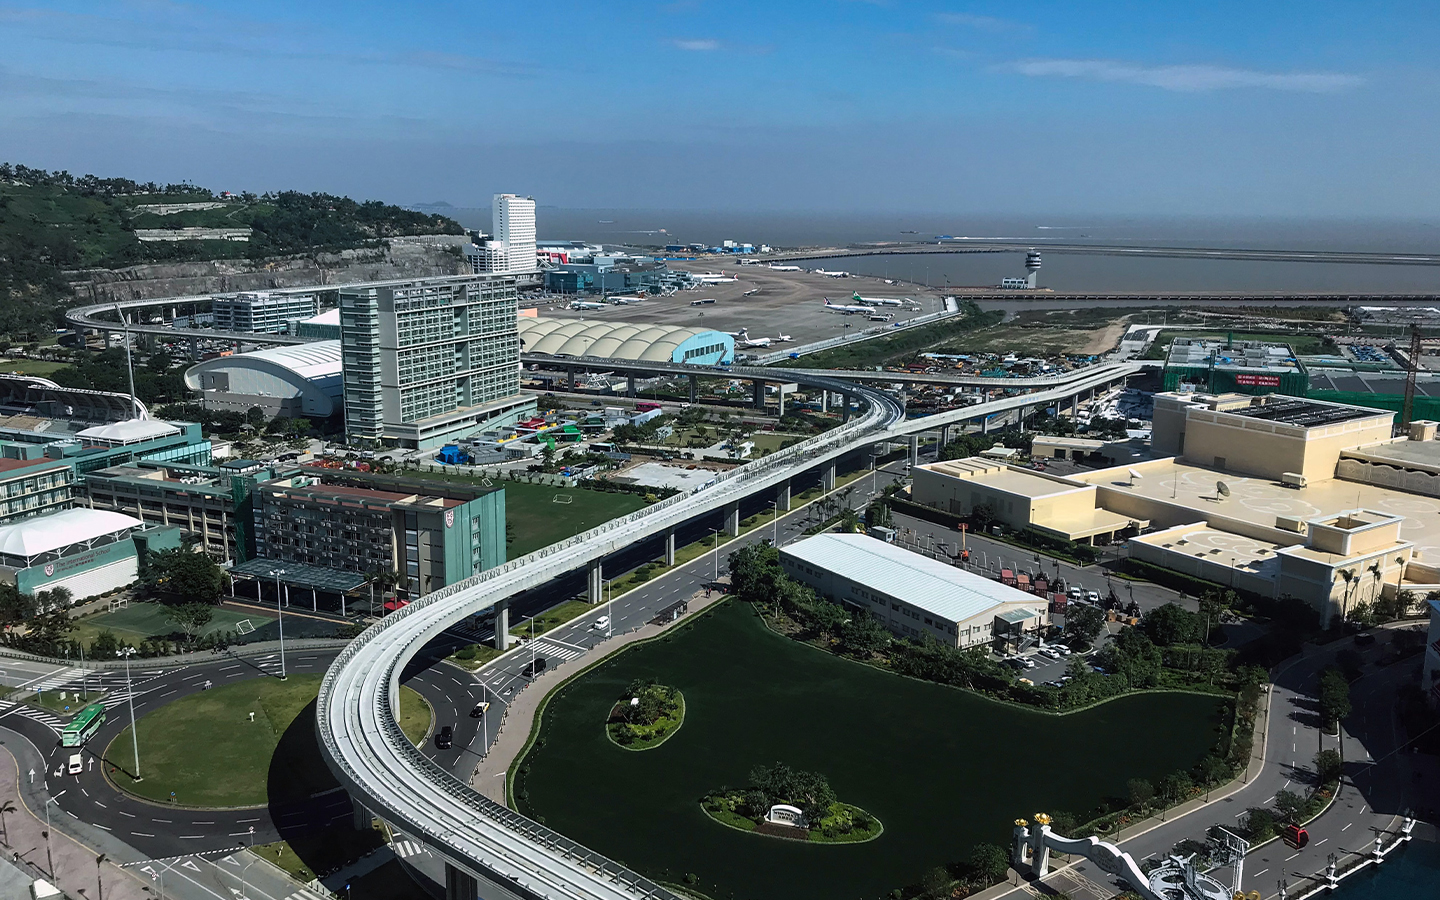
[[241, 745]]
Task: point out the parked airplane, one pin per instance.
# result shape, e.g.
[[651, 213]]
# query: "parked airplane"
[[580, 304], [743, 338], [775, 268], [879, 301], [713, 277], [845, 310], [782, 338], [618, 301], [832, 274]]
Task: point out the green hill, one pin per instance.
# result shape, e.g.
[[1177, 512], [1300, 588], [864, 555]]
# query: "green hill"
[[53, 221]]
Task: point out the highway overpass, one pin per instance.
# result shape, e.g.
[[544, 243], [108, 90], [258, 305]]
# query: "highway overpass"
[[484, 843]]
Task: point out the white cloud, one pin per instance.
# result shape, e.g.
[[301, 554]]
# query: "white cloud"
[[697, 45], [981, 23], [1183, 77]]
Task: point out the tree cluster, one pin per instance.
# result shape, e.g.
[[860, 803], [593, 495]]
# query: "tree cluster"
[[181, 576], [656, 701], [809, 791]]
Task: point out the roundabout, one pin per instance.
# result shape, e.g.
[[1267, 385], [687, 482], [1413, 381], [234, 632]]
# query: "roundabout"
[[247, 744]]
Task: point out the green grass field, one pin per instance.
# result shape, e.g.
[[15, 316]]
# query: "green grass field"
[[141, 620], [206, 749], [40, 367]]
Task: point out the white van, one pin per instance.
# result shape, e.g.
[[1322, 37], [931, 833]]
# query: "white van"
[[76, 765]]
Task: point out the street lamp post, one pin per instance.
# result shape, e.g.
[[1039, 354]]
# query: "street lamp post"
[[775, 523], [609, 609], [717, 553], [48, 858], [280, 612], [128, 652]]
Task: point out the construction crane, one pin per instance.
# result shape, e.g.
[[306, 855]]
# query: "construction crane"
[[1408, 409]]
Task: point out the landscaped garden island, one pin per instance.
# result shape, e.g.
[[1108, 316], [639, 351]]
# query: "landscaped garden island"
[[946, 771], [791, 804], [645, 715]]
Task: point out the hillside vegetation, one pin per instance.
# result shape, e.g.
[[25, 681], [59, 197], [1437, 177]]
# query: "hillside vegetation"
[[54, 221]]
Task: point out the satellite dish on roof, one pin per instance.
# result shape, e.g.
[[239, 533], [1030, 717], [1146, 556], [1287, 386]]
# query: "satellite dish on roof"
[[1222, 489], [1134, 475]]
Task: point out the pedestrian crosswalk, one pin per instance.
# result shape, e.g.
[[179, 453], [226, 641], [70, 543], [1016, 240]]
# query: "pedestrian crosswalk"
[[556, 650], [48, 719], [406, 848]]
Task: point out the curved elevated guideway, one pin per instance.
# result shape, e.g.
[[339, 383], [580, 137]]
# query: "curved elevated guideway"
[[480, 839]]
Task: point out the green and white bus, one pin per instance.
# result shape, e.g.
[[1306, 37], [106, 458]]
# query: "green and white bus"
[[83, 727]]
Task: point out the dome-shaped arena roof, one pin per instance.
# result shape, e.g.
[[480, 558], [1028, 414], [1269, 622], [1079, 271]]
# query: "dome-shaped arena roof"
[[621, 340]]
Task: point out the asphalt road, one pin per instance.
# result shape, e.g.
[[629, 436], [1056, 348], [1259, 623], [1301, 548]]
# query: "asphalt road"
[[1378, 787]]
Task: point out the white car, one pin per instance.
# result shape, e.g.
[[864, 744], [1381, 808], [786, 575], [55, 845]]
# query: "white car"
[[602, 622], [76, 765], [1093, 597]]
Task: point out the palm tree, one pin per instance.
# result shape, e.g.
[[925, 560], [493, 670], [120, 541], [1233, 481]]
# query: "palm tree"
[[1349, 576], [1374, 570], [5, 809]]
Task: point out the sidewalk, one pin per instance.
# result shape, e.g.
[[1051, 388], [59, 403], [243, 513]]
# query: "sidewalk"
[[511, 739], [74, 863]]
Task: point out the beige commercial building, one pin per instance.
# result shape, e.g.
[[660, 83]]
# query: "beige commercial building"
[[1019, 498], [1276, 495]]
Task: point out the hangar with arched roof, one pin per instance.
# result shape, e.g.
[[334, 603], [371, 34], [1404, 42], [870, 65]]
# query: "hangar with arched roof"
[[626, 340]]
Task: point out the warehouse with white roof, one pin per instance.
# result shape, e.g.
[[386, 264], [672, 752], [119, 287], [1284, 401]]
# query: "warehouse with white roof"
[[298, 380], [915, 596]]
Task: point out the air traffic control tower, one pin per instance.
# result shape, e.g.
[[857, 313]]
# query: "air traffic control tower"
[[1032, 265]]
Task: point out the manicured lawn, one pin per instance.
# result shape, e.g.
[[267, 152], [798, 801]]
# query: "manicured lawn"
[[206, 750], [141, 620], [942, 768], [538, 520], [30, 366], [318, 851], [480, 655]]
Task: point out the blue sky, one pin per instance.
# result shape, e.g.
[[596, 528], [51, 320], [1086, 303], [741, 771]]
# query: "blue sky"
[[1142, 108]]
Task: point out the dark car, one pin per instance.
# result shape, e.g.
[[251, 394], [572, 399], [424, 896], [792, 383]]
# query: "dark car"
[[444, 738], [534, 667]]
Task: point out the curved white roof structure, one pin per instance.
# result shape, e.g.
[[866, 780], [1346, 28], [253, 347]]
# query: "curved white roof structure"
[[309, 373], [624, 340], [29, 538], [130, 431]]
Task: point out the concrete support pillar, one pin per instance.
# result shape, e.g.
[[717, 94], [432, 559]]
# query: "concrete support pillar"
[[944, 437], [194, 348], [669, 548], [362, 817], [780, 401], [570, 379], [759, 394], [914, 449], [630, 386], [105, 339], [732, 520], [782, 496], [984, 424], [824, 401], [597, 583], [845, 414], [694, 388], [827, 478], [502, 624], [460, 885]]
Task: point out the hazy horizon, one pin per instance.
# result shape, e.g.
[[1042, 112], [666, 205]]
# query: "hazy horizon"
[[827, 106]]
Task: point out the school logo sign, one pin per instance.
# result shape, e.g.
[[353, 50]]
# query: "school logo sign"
[[449, 518], [49, 569]]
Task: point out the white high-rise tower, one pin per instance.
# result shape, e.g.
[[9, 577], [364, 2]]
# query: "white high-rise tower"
[[514, 230]]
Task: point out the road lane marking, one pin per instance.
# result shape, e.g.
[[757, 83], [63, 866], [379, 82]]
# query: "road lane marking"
[[1347, 826]]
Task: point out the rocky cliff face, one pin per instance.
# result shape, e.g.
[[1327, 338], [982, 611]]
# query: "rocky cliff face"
[[405, 257]]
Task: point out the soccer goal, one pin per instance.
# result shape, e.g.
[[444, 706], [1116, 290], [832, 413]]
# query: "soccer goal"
[[487, 482], [122, 603], [244, 627], [563, 499]]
